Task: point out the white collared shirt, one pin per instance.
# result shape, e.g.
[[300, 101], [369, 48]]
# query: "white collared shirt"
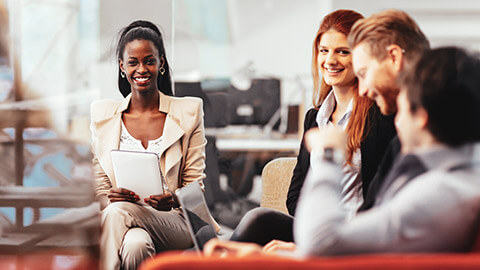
[[351, 182]]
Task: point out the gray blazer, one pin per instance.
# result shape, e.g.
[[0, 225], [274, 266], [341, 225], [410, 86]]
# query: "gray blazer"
[[436, 211]]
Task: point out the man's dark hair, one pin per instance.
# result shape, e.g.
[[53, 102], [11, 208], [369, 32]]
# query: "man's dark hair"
[[446, 83]]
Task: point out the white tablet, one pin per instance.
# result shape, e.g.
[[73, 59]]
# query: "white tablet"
[[139, 172]]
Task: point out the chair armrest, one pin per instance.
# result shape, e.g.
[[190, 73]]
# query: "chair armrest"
[[185, 261]]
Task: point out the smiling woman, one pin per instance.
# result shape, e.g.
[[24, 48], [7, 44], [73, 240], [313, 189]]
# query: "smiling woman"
[[142, 66], [335, 59], [149, 119], [138, 33], [336, 102]]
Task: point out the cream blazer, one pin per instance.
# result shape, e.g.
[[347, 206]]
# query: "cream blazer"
[[182, 160]]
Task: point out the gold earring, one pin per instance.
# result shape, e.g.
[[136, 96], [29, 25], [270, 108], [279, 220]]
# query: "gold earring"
[[161, 70], [122, 74]]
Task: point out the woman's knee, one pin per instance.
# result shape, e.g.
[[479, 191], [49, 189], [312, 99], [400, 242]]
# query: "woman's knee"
[[253, 222], [115, 208], [137, 245], [258, 215], [116, 213], [262, 225]]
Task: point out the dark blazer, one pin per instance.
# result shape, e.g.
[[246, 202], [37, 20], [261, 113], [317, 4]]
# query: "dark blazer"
[[372, 149], [391, 153]]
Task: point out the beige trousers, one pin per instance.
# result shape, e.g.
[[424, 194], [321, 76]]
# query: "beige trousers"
[[131, 233]]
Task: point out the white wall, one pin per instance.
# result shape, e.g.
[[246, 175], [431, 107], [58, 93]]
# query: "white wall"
[[444, 22], [276, 35]]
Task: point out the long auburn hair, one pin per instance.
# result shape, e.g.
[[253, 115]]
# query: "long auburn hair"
[[341, 21]]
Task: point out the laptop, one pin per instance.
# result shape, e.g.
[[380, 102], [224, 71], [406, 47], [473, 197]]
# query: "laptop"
[[197, 215]]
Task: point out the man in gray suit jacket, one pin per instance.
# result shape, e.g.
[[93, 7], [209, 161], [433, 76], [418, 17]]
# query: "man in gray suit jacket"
[[436, 210]]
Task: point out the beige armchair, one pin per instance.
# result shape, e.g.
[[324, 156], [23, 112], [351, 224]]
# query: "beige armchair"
[[276, 176]]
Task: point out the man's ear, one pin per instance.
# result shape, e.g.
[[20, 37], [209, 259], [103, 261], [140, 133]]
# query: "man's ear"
[[421, 118], [395, 53]]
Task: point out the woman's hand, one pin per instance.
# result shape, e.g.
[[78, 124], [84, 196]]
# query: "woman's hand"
[[122, 195], [219, 248], [163, 202], [279, 246]]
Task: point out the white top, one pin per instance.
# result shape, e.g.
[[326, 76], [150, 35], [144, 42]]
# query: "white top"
[[434, 212], [129, 143], [351, 182]]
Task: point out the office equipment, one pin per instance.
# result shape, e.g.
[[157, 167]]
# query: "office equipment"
[[139, 172], [195, 210], [254, 106], [213, 102]]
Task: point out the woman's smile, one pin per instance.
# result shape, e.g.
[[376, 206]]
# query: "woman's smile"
[[333, 71], [142, 64], [142, 80]]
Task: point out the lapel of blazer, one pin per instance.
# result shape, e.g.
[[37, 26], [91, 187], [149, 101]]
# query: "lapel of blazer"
[[172, 132], [108, 132], [109, 129]]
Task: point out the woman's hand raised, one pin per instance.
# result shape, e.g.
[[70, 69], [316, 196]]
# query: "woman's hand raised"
[[163, 202], [122, 195]]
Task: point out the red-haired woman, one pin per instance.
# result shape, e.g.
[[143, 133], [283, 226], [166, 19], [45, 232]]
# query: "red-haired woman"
[[336, 101]]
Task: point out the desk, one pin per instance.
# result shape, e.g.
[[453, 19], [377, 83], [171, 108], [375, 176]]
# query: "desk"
[[244, 150], [253, 139], [258, 145]]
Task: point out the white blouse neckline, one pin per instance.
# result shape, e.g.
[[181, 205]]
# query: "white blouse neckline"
[[128, 142]]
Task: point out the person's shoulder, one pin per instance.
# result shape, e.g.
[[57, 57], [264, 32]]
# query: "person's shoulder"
[[377, 116], [187, 101], [460, 183], [185, 105], [312, 112], [101, 109], [311, 115], [383, 123]]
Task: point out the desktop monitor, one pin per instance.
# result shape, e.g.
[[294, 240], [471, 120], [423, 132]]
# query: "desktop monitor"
[[213, 103], [254, 106]]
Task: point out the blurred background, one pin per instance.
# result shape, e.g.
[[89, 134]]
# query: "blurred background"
[[249, 60]]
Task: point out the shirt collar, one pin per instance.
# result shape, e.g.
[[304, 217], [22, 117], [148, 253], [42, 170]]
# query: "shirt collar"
[[326, 110]]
